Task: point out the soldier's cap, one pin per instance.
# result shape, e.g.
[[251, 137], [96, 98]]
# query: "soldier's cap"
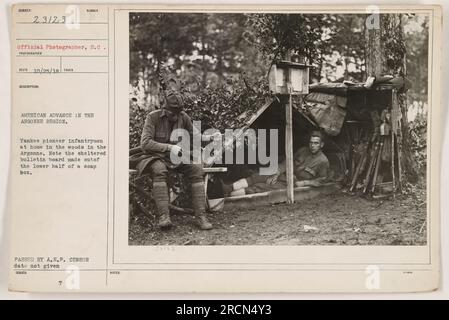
[[174, 101]]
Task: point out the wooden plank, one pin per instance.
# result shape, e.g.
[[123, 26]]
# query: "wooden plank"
[[291, 64], [399, 152], [395, 112], [272, 78], [276, 196], [305, 80], [206, 182], [215, 169], [392, 163], [289, 150]]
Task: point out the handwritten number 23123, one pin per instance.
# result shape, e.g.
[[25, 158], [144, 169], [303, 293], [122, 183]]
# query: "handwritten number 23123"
[[49, 19]]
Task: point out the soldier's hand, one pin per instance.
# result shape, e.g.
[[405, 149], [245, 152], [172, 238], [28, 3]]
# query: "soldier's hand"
[[176, 150], [272, 179]]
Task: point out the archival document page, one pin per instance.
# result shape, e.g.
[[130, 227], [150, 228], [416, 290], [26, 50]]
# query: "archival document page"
[[89, 80]]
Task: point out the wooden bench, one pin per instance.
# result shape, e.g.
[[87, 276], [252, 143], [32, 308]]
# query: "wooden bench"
[[133, 175]]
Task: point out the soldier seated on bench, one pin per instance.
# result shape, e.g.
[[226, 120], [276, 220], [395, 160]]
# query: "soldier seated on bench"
[[157, 146], [311, 168]]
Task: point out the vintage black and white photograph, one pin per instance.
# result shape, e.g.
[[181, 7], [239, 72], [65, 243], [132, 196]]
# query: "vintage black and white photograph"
[[278, 129]]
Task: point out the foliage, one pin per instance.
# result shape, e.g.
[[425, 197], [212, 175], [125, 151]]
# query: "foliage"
[[137, 117], [158, 37], [416, 193], [276, 34], [416, 36], [220, 107], [344, 47], [201, 48], [418, 134]]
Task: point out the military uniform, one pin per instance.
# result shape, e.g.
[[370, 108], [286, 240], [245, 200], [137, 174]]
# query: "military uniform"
[[307, 166], [155, 158]]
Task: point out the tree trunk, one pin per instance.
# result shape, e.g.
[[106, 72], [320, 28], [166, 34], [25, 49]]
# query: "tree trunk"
[[219, 68], [385, 54], [204, 50], [375, 53], [204, 65], [346, 73]]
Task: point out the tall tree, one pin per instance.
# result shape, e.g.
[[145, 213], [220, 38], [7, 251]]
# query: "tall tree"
[[386, 54]]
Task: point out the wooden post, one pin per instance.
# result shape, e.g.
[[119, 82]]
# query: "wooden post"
[[392, 164], [206, 181], [289, 149], [399, 152], [289, 135]]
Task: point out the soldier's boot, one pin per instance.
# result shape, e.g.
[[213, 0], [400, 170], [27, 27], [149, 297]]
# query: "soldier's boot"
[[203, 223], [198, 204], [160, 195]]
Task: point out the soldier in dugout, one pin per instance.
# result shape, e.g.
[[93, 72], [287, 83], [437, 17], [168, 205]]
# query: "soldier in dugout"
[[311, 168]]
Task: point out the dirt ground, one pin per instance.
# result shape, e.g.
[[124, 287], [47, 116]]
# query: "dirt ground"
[[337, 219]]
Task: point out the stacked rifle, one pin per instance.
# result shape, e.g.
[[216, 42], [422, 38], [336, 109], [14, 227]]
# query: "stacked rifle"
[[369, 166]]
